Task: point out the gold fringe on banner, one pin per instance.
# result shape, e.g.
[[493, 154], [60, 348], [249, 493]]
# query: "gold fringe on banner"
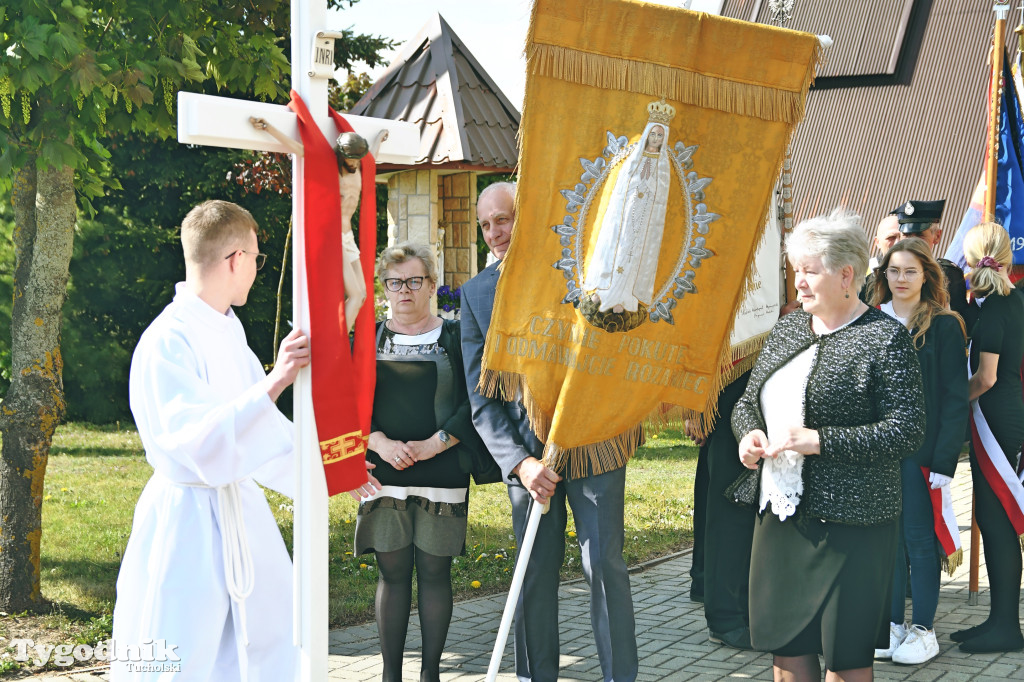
[[953, 561], [656, 80], [744, 349], [583, 460], [595, 458]]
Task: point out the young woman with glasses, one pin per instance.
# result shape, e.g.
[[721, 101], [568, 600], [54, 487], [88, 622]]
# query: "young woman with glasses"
[[911, 287]]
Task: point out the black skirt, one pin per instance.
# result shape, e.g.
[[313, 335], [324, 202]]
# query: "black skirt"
[[818, 587]]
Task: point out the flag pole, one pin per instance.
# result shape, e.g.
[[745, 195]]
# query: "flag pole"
[[1002, 11], [525, 550], [998, 42], [780, 15]]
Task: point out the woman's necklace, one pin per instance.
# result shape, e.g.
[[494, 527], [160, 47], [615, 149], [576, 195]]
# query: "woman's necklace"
[[392, 325]]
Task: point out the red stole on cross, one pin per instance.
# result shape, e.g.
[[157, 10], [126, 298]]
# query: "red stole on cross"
[[343, 374]]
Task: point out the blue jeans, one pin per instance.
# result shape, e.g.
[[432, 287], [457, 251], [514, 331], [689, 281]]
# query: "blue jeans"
[[920, 547]]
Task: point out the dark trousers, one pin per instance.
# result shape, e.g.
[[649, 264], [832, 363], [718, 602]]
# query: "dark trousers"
[[597, 507], [700, 518], [729, 528]]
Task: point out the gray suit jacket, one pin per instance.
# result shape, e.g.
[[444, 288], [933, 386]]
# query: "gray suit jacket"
[[503, 426]]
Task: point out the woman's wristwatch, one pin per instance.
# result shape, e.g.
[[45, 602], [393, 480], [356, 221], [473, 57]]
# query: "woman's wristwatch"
[[445, 438]]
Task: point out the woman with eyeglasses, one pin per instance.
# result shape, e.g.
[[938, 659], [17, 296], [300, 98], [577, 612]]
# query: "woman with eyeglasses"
[[421, 418], [911, 287], [997, 430]]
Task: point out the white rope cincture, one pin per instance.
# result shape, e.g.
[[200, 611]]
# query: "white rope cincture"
[[239, 574]]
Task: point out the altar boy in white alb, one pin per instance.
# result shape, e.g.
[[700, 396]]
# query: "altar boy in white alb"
[[206, 581]]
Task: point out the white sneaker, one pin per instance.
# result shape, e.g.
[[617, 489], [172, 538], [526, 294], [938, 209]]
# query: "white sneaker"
[[919, 646], [897, 633]]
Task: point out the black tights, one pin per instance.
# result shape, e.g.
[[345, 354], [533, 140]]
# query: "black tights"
[[394, 601], [1002, 558]]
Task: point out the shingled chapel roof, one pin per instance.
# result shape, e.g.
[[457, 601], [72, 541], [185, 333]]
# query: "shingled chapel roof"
[[465, 121]]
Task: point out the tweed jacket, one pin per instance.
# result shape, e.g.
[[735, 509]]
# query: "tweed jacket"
[[865, 399]]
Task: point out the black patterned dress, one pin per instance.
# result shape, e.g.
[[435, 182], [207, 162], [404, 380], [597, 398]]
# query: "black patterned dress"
[[420, 389]]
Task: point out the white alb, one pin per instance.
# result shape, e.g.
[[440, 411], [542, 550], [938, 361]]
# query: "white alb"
[[206, 569]]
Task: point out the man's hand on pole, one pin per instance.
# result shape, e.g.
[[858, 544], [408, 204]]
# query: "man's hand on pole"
[[537, 479]]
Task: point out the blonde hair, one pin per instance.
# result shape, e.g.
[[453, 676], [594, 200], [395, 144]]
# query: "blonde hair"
[[934, 295], [838, 239], [212, 229], [989, 239], [403, 251]]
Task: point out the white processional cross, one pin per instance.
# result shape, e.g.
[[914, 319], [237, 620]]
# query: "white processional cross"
[[224, 122]]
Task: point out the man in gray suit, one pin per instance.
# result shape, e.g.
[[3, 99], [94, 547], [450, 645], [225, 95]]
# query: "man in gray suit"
[[596, 501]]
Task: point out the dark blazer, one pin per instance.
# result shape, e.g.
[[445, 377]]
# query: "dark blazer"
[[503, 426], [864, 398], [943, 359]]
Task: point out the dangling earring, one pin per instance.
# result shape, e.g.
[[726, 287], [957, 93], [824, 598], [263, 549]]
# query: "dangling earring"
[[847, 293]]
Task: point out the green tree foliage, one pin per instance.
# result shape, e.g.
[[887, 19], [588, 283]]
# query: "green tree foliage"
[[72, 71], [128, 258], [127, 255]]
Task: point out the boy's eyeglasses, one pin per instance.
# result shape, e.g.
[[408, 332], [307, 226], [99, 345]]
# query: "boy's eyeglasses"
[[261, 258]]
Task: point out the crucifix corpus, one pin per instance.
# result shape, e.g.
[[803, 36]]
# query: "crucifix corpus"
[[225, 122]]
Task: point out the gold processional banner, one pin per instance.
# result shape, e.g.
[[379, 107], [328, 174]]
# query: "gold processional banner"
[[651, 139]]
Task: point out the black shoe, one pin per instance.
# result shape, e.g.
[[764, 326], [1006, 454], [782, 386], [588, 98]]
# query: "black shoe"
[[736, 639], [993, 642], [969, 633], [697, 596]]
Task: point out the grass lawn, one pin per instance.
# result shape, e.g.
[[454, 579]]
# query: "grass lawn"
[[96, 473]]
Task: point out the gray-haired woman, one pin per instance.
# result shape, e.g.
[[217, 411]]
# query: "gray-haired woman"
[[833, 404]]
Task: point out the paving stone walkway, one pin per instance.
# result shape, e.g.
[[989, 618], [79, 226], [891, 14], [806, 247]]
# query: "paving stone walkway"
[[670, 630]]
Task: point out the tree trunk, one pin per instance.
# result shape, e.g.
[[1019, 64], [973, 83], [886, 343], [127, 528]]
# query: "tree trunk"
[[44, 204]]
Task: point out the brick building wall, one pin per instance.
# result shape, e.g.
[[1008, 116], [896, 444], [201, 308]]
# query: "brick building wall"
[[456, 195]]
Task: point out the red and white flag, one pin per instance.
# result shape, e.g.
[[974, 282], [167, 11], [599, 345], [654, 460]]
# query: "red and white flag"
[[947, 530], [996, 468]]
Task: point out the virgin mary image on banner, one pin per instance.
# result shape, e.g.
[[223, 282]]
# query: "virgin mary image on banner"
[[645, 176], [620, 273]]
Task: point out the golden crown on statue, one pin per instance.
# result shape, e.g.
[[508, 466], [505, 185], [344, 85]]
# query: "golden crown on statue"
[[660, 111]]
